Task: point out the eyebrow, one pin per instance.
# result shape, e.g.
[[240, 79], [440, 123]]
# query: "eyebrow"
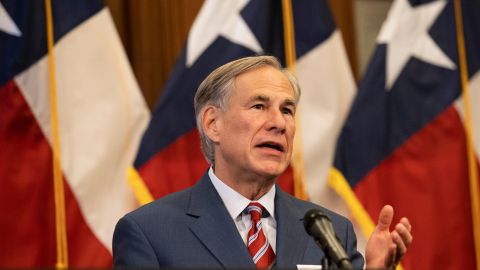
[[290, 102], [259, 98]]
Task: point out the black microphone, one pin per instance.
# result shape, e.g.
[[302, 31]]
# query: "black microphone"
[[319, 226]]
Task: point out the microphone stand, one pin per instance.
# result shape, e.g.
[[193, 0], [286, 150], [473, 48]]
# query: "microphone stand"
[[324, 263]]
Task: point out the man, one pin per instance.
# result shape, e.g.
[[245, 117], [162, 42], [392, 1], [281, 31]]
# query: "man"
[[235, 216]]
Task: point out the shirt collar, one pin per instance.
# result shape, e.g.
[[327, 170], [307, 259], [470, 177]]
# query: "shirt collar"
[[236, 202]]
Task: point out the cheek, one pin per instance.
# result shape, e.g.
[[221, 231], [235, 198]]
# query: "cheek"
[[243, 125], [238, 128], [239, 131], [291, 129]]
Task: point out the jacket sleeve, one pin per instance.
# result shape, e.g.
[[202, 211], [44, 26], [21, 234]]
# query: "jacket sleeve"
[[131, 247]]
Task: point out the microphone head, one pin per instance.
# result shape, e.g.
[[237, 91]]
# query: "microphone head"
[[310, 217], [319, 226]]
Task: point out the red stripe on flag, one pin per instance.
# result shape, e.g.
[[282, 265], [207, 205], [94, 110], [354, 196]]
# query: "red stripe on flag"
[[27, 226], [285, 181], [426, 180], [181, 164], [176, 167]]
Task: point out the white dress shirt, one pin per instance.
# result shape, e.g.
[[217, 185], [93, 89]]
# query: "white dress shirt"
[[236, 204]]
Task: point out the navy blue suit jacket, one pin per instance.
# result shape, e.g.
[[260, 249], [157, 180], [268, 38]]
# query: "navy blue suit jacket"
[[193, 229]]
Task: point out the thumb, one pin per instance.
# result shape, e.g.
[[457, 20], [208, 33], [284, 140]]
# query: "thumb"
[[385, 218]]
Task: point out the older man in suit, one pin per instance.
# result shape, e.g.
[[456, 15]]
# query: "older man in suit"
[[235, 216]]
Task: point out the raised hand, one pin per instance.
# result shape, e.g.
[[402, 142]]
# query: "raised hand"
[[386, 248]]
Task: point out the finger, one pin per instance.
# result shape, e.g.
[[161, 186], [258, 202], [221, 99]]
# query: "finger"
[[406, 223], [385, 218], [404, 234], [401, 247]]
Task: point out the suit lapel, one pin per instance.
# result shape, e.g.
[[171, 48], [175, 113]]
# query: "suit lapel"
[[291, 236], [215, 228]]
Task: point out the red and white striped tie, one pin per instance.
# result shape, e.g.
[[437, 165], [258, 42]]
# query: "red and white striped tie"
[[258, 245]]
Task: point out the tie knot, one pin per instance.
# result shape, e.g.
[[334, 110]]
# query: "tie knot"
[[255, 210]]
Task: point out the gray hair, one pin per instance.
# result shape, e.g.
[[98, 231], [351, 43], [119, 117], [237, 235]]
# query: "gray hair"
[[216, 87]]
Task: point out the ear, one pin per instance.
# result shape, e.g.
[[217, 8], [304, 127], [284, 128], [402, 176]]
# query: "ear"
[[211, 122]]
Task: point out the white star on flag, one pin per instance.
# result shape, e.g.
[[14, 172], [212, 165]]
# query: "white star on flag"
[[406, 33], [7, 25], [219, 17]]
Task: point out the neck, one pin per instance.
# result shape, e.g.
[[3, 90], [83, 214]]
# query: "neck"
[[252, 187]]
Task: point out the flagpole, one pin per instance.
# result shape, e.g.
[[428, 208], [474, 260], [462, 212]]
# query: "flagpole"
[[290, 58], [472, 164], [60, 222]]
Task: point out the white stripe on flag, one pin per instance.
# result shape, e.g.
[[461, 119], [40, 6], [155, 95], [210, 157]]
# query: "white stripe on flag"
[[328, 89]]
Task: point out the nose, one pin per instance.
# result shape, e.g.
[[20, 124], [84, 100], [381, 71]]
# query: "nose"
[[276, 121]]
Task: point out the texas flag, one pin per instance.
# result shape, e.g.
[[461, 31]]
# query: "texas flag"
[[170, 159], [101, 116], [404, 142]]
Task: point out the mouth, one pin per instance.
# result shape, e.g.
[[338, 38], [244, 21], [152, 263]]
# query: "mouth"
[[272, 145]]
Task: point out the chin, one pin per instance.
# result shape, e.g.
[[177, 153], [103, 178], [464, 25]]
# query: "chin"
[[273, 170]]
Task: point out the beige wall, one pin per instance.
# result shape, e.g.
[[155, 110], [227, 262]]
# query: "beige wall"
[[368, 18]]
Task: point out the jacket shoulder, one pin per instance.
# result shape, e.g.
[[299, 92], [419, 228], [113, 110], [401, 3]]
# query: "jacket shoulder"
[[169, 206]]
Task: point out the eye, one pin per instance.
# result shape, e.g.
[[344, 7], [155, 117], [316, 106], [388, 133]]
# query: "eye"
[[258, 106], [287, 111]]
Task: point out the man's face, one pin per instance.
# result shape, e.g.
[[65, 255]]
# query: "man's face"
[[255, 133]]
